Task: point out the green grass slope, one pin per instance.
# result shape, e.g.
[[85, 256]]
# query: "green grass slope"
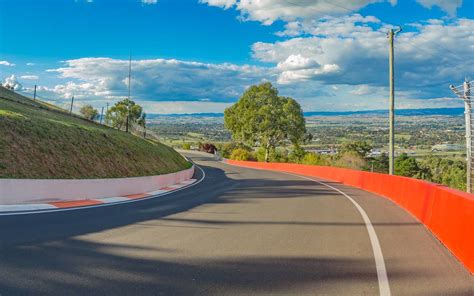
[[37, 141]]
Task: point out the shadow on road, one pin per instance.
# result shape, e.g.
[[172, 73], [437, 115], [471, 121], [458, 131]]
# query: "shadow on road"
[[88, 268]]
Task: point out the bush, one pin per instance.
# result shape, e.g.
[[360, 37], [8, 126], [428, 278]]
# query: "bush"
[[279, 155], [275, 155], [259, 154], [445, 171], [240, 154], [311, 158], [379, 164], [227, 148], [406, 166], [296, 155], [186, 146], [351, 160]]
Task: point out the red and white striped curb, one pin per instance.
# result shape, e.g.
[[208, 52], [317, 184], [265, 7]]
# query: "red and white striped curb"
[[90, 202]]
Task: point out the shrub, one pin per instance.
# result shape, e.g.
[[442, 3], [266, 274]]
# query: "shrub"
[[351, 160], [296, 155], [227, 148], [186, 146], [279, 155], [240, 154], [312, 158], [259, 154], [406, 166]]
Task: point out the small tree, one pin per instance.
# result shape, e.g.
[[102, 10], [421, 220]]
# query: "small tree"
[[362, 148], [406, 166], [117, 114], [89, 112], [263, 118]]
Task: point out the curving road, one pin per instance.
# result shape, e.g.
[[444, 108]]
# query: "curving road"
[[238, 232]]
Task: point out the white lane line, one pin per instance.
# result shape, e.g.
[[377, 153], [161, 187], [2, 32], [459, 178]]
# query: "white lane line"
[[384, 287], [104, 205]]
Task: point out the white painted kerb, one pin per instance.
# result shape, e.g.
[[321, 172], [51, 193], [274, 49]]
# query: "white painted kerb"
[[14, 191]]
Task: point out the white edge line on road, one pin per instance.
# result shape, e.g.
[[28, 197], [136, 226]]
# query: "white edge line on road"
[[108, 204], [384, 286]]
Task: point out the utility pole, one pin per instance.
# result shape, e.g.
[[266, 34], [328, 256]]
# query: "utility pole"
[[465, 95], [101, 115], [72, 103], [391, 149], [129, 82], [34, 94]]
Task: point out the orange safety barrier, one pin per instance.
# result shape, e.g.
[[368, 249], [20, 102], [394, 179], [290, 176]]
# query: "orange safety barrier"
[[446, 212]]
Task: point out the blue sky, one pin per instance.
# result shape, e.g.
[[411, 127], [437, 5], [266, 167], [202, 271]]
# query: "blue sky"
[[199, 56]]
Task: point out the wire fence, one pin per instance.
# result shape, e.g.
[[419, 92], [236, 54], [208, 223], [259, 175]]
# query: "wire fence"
[[60, 106]]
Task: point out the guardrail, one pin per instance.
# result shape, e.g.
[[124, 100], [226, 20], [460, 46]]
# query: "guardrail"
[[16, 191], [446, 212]]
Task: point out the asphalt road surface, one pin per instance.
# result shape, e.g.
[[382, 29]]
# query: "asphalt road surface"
[[238, 232]]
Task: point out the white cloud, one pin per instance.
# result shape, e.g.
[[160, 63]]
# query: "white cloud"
[[450, 6], [425, 60], [299, 68], [29, 77], [361, 90], [180, 107], [7, 63], [30, 64], [157, 79], [268, 11], [149, 1]]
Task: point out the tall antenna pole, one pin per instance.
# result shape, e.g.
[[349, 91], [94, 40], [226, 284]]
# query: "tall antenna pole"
[[465, 94], [129, 74], [129, 82], [391, 148]]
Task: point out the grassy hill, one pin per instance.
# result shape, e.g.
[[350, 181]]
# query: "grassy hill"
[[38, 140]]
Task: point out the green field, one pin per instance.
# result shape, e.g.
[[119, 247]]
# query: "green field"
[[38, 142]]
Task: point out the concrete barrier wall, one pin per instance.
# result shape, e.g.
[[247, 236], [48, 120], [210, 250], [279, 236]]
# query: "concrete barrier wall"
[[15, 191], [447, 213]]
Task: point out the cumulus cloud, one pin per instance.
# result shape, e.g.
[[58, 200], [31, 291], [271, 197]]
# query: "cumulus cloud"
[[427, 56], [149, 1], [361, 90], [268, 11], [450, 6], [180, 107], [299, 68], [7, 63], [158, 79], [29, 77]]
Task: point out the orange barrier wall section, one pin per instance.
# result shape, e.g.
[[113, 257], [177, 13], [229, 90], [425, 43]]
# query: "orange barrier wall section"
[[448, 213]]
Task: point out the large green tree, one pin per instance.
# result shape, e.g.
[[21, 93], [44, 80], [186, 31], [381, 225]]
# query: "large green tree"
[[262, 117], [117, 115]]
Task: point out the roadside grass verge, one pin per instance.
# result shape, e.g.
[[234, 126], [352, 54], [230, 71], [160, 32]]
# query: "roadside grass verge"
[[42, 144]]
